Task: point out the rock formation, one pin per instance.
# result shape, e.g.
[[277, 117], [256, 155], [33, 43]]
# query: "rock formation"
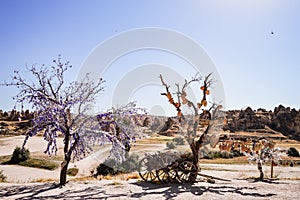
[[287, 121], [170, 127], [284, 120]]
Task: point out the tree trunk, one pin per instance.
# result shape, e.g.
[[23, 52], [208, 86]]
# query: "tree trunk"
[[195, 150], [259, 167], [272, 166], [195, 147], [63, 172], [67, 158]]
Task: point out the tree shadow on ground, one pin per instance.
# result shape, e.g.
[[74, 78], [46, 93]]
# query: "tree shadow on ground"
[[270, 181], [173, 190], [35, 192], [139, 190], [26, 191]]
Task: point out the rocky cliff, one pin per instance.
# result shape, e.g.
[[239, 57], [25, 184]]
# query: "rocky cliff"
[[282, 119]]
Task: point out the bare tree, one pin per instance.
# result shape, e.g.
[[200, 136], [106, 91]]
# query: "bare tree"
[[208, 118]]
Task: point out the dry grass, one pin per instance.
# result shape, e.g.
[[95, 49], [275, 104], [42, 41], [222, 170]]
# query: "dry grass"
[[122, 177], [138, 147], [85, 178], [155, 140], [44, 180], [4, 159], [3, 178], [40, 163], [255, 134], [291, 179], [39, 155], [219, 169], [235, 160]]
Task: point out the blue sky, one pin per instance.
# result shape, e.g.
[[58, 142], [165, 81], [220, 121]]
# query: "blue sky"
[[257, 68]]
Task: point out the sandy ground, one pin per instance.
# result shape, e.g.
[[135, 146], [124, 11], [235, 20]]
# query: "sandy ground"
[[241, 184], [34, 144], [107, 189]]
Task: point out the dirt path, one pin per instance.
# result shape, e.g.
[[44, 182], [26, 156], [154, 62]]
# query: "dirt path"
[[20, 174], [34, 144], [91, 162]]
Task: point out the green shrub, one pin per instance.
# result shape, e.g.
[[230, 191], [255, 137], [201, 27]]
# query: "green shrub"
[[19, 155], [104, 170], [222, 154], [39, 163], [237, 153], [216, 154], [293, 152], [72, 171], [171, 145], [179, 141], [225, 154], [130, 164], [2, 177], [111, 167], [213, 155], [208, 155]]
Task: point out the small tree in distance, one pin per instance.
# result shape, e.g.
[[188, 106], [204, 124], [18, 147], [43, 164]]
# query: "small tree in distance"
[[64, 109], [259, 151]]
